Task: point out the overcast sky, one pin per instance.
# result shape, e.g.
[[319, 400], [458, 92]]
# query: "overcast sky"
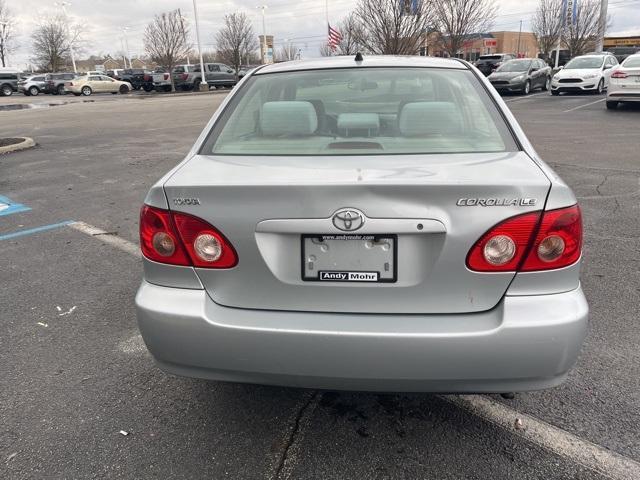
[[301, 21]]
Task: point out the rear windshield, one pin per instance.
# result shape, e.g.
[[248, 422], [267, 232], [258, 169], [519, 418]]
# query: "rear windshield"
[[490, 57], [515, 66], [368, 111], [632, 62]]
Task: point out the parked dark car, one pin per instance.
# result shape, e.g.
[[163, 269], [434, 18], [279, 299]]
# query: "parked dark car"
[[32, 85], [54, 82], [8, 82], [488, 63], [521, 75], [138, 78]]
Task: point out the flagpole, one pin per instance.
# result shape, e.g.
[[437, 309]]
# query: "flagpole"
[[326, 9]]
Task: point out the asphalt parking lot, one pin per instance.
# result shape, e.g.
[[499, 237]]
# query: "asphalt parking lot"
[[75, 373]]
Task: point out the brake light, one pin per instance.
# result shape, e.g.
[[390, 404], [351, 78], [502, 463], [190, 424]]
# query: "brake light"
[[147, 78], [558, 241], [166, 76], [180, 239], [184, 76], [619, 74], [511, 246]]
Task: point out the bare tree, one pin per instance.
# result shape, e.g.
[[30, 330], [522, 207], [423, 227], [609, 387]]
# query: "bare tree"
[[325, 50], [458, 20], [236, 40], [288, 51], [52, 41], [580, 35], [7, 32], [165, 40], [352, 35], [546, 25], [392, 27]]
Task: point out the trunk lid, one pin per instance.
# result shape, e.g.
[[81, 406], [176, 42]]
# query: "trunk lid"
[[264, 205]]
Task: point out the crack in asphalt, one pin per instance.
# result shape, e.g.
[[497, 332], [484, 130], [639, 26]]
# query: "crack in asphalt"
[[287, 456]]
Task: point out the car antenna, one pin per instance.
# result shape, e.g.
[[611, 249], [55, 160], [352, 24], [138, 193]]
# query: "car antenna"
[[359, 57]]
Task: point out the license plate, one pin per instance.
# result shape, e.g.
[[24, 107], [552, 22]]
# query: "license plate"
[[349, 258]]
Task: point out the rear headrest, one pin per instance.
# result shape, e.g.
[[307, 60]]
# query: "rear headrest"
[[288, 118], [359, 124], [428, 118]]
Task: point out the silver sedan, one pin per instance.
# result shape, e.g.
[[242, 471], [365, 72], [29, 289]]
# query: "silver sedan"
[[376, 223]]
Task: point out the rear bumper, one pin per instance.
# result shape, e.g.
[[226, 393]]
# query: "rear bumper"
[[524, 343], [626, 95]]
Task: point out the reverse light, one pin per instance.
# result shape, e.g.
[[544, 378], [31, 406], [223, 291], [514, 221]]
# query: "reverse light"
[[180, 239]]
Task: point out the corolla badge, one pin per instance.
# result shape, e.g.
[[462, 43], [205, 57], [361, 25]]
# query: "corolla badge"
[[348, 219]]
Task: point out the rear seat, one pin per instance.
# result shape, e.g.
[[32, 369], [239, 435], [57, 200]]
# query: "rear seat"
[[288, 118], [419, 119]]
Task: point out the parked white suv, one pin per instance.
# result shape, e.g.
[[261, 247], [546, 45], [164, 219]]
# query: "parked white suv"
[[587, 73]]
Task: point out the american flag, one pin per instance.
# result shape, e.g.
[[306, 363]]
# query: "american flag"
[[335, 37]]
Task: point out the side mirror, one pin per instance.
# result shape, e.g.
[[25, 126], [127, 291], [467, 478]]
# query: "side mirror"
[[534, 69], [607, 67], [229, 71], [560, 67]]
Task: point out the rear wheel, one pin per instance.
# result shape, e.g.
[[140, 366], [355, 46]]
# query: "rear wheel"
[[147, 88], [124, 89], [86, 91], [196, 85], [61, 90], [33, 91], [527, 88], [6, 90], [612, 105]]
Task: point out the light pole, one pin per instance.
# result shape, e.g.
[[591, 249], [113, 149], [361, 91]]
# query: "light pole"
[[203, 82], [66, 19], [519, 34], [264, 35], [126, 42], [602, 25]]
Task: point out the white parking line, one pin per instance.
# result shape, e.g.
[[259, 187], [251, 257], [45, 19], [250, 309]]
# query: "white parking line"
[[594, 457], [582, 106], [106, 237], [526, 97]]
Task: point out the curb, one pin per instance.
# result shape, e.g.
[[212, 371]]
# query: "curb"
[[26, 143]]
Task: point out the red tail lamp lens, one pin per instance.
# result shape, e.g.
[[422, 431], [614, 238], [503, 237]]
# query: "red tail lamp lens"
[[558, 242], [158, 238], [207, 247], [503, 247], [180, 239], [511, 246]]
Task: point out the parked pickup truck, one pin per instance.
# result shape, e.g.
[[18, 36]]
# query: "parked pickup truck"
[[217, 75], [138, 78]]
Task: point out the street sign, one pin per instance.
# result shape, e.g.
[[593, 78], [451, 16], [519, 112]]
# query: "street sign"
[[490, 42]]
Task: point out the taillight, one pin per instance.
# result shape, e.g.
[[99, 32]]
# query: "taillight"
[[619, 74], [184, 76], [558, 242], [181, 239], [511, 246], [146, 78], [503, 247], [166, 76]]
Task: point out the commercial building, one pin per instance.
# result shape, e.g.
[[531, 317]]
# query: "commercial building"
[[522, 44]]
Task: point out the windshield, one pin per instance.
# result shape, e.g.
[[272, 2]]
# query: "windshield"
[[515, 66], [632, 62], [584, 62], [360, 111]]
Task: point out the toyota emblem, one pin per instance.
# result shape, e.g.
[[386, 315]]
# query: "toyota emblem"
[[348, 219]]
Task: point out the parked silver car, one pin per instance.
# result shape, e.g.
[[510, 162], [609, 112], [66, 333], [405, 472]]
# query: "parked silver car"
[[378, 224]]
